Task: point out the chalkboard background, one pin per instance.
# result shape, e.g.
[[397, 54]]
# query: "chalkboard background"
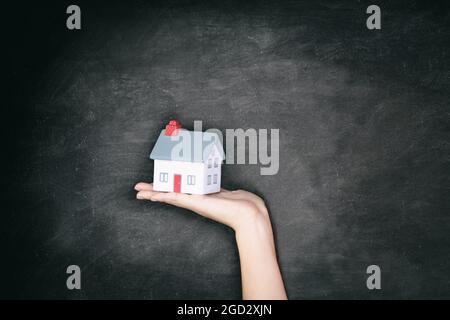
[[364, 145]]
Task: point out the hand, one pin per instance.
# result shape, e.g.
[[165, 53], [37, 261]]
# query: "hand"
[[247, 215], [233, 208]]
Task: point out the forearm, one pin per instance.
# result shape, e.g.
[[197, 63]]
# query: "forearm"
[[261, 276]]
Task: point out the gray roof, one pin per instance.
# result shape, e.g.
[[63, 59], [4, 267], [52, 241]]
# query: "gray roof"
[[169, 147]]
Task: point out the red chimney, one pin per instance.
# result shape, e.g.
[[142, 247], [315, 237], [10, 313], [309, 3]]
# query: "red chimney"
[[171, 127]]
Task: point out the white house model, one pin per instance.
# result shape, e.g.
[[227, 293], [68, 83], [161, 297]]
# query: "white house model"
[[187, 161]]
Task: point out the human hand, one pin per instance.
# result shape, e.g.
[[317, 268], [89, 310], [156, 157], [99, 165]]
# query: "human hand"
[[235, 209], [247, 215]]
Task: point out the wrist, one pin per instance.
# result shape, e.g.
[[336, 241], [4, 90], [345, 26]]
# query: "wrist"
[[253, 220], [254, 233]]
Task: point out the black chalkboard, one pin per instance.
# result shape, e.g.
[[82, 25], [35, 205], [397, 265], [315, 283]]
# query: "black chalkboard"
[[364, 145]]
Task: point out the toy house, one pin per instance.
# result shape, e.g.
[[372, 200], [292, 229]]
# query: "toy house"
[[187, 161]]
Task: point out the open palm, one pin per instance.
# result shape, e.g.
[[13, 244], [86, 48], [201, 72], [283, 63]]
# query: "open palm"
[[227, 207]]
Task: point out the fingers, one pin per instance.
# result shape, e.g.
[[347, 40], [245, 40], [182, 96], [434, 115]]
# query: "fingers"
[[209, 206], [146, 195], [142, 186], [178, 199], [228, 207], [197, 203], [145, 191]]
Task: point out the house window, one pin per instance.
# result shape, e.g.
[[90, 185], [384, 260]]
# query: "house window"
[[215, 179], [216, 162], [209, 179], [190, 180], [209, 163], [163, 176]]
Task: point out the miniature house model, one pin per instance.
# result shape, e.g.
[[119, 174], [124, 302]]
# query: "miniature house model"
[[187, 161]]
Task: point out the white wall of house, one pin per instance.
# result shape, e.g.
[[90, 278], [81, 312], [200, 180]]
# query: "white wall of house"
[[191, 176], [196, 177], [212, 172]]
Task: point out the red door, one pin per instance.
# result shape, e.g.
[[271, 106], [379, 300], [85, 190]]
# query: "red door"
[[177, 183]]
